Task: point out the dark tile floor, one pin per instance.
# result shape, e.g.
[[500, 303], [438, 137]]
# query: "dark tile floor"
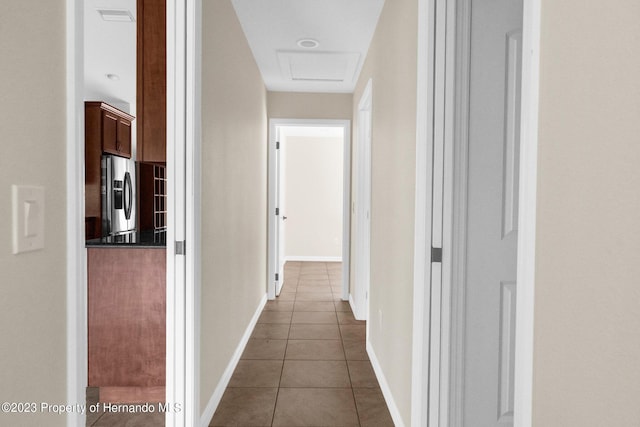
[[101, 418], [306, 362]]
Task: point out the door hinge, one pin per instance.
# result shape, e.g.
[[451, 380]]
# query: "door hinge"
[[277, 211], [436, 254], [277, 145], [180, 247], [277, 277]]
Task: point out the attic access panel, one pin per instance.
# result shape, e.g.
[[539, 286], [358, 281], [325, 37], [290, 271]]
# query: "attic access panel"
[[319, 66]]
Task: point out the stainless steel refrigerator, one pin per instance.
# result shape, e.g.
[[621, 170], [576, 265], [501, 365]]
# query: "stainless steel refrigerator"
[[118, 195]]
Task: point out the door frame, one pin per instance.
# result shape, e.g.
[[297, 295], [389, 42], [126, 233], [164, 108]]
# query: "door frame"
[[359, 299], [454, 223], [431, 300], [346, 197], [183, 272], [77, 342], [184, 47]]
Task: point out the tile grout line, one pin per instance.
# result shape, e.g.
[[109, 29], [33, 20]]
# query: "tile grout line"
[[275, 403], [340, 339]]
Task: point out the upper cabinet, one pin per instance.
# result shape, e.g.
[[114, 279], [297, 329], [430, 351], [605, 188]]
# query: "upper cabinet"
[[116, 133], [108, 129], [151, 108]]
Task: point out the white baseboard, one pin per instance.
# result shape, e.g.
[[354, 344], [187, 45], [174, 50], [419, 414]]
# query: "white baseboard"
[[384, 386], [356, 312], [314, 258], [214, 401], [352, 304]]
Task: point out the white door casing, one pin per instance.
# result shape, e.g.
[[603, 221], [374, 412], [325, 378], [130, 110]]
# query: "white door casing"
[[362, 208], [439, 249], [452, 377], [77, 363], [183, 172]]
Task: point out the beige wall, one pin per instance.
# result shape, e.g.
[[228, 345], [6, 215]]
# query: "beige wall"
[[294, 105], [33, 285], [234, 188], [391, 63], [313, 196], [587, 321]]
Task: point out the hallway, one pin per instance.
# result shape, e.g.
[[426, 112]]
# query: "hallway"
[[306, 363]]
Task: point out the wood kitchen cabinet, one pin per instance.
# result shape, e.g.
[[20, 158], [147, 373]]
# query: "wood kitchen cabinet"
[[152, 208], [127, 323], [116, 134], [107, 130], [151, 92]]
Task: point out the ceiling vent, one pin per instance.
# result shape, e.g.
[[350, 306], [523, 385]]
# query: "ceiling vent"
[[318, 66], [116, 15]]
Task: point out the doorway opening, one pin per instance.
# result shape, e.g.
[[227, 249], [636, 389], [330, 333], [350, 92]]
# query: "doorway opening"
[[309, 193], [182, 314]]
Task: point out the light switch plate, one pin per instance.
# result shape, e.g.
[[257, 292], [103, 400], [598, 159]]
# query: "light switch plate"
[[28, 218]]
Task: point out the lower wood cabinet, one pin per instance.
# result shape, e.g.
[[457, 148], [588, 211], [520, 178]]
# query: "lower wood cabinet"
[[127, 323]]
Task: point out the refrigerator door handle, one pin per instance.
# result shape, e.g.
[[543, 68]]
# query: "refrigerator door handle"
[[128, 194]]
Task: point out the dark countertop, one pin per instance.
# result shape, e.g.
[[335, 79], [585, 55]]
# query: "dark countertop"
[[135, 239]]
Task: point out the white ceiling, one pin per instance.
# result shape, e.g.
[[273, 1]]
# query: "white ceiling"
[[343, 28], [110, 48]]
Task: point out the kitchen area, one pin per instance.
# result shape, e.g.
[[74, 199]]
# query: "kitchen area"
[[126, 199]]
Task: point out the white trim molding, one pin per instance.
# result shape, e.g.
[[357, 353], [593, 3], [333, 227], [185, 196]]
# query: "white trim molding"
[[215, 398], [384, 387], [77, 364], [455, 221], [193, 219], [183, 213], [523, 401], [423, 198], [176, 122]]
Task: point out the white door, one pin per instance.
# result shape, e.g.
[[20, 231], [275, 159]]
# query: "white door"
[[281, 203], [493, 150], [362, 212], [279, 240]]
